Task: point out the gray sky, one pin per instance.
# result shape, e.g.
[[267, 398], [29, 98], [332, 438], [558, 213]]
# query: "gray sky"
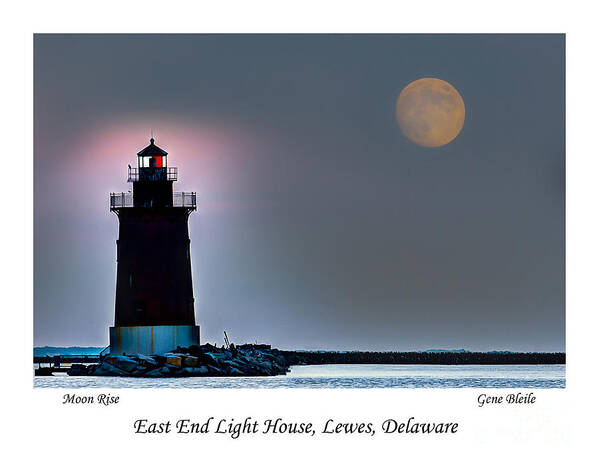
[[319, 224]]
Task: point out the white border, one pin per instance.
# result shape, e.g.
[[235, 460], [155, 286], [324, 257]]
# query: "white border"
[[559, 427]]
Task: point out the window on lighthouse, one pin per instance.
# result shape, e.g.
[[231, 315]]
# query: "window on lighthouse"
[[151, 162]]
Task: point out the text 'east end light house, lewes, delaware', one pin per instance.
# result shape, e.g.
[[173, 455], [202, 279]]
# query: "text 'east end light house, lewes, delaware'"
[[154, 310]]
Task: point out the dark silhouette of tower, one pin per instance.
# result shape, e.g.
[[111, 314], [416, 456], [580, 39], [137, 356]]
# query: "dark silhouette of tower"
[[154, 310]]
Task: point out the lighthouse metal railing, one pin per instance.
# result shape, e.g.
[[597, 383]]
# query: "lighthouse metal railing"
[[120, 200], [152, 174], [180, 199], [184, 199]]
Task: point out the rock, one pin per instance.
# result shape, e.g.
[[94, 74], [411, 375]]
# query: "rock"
[[174, 360], [264, 367], [140, 370], [147, 361], [124, 363], [155, 373], [195, 361], [190, 361], [107, 369], [231, 363], [206, 359], [193, 371], [214, 356], [160, 359], [215, 371], [234, 371]]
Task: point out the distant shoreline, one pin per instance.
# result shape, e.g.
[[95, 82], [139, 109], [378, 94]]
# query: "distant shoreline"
[[442, 358]]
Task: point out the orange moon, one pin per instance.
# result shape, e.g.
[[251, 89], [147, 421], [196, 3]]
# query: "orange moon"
[[430, 112]]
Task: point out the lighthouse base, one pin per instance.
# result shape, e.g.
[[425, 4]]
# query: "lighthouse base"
[[152, 339]]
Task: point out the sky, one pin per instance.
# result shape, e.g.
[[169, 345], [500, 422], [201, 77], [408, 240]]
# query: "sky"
[[319, 224]]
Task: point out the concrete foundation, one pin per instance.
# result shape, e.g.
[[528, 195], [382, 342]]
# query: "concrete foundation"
[[152, 339]]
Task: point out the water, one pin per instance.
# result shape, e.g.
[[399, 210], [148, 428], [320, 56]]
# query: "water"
[[345, 376]]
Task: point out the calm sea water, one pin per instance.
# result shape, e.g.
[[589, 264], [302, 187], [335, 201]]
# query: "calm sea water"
[[345, 376]]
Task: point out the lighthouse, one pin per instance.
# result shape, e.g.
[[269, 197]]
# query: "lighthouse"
[[154, 306]]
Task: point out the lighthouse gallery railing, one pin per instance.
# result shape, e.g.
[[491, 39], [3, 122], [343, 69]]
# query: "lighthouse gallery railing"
[[152, 174], [180, 199]]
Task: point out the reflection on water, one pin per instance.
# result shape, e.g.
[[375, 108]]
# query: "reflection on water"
[[345, 376]]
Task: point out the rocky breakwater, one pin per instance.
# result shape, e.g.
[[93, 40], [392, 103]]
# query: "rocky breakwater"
[[195, 361]]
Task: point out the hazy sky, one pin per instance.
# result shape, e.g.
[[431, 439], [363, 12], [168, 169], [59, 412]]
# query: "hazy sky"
[[319, 225]]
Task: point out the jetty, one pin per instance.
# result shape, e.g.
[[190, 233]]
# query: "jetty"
[[422, 357], [194, 361]]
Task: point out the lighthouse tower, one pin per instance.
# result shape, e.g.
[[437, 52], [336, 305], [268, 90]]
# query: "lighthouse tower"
[[154, 309]]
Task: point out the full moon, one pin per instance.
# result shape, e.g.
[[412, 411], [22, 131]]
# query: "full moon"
[[430, 112]]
